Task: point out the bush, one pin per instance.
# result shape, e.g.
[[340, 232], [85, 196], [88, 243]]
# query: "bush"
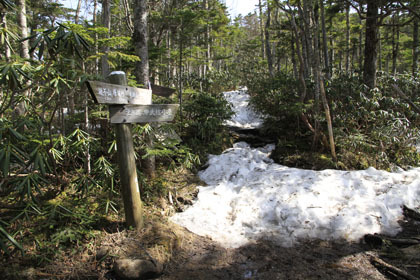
[[373, 127], [203, 129]]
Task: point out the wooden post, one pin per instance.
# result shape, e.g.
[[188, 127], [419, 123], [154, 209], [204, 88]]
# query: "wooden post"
[[133, 206]]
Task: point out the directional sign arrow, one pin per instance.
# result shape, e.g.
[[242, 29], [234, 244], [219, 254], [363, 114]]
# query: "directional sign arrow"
[[142, 113], [105, 93], [162, 91]]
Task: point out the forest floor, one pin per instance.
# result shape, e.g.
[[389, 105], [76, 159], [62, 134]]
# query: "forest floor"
[[185, 255]]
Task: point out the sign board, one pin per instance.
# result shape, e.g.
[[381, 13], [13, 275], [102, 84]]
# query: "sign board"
[[162, 91], [142, 113], [105, 93]]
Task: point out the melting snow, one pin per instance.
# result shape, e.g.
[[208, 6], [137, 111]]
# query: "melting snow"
[[244, 116], [250, 197]]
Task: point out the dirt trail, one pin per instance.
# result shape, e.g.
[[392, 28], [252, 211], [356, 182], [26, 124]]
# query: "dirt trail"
[[202, 258]]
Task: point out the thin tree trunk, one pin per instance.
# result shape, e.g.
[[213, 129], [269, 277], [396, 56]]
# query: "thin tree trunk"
[[95, 21], [106, 22], [293, 52], [361, 58], [22, 23], [261, 29], [207, 66], [319, 80], [324, 41], [7, 51], [24, 47], [141, 38], [128, 19], [416, 48], [76, 18], [395, 43], [347, 38], [267, 42], [379, 50], [86, 125], [371, 43]]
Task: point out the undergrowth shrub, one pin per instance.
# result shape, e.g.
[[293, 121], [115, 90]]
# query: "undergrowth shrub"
[[202, 128], [373, 127]]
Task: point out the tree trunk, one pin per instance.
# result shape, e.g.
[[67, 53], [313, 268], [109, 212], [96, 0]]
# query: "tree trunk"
[[7, 52], [267, 42], [76, 18], [416, 48], [86, 124], [379, 50], [208, 65], [371, 43], [95, 21], [24, 47], [140, 39], [319, 81], [395, 43], [347, 38], [361, 58], [324, 41], [106, 22], [128, 20], [261, 30], [293, 53], [21, 18]]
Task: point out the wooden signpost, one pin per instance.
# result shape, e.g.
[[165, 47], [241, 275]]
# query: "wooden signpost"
[[105, 93], [130, 105], [142, 113]]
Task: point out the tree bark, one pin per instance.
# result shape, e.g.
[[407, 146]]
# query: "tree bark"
[[267, 42], [95, 21], [319, 80], [325, 41], [371, 43], [395, 43], [7, 51], [261, 29], [208, 65], [347, 38], [128, 19], [24, 47], [106, 22], [76, 18], [293, 52], [22, 23], [416, 48], [141, 38]]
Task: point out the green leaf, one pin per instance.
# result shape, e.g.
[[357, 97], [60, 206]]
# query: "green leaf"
[[16, 134], [11, 239]]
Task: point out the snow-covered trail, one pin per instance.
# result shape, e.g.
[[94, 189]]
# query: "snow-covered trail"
[[250, 197]]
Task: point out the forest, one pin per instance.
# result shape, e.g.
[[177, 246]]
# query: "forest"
[[336, 81]]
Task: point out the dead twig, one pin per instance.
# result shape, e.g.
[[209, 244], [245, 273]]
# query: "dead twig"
[[390, 269]]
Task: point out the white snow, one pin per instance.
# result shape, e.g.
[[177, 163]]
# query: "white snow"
[[244, 116], [249, 197]]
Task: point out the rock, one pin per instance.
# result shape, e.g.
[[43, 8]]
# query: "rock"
[[137, 269]]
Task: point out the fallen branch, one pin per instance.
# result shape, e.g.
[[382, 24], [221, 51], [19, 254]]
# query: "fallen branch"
[[405, 97], [390, 269], [377, 240]]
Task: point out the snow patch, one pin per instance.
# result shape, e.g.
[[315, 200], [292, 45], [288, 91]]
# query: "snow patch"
[[244, 116], [249, 197]]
